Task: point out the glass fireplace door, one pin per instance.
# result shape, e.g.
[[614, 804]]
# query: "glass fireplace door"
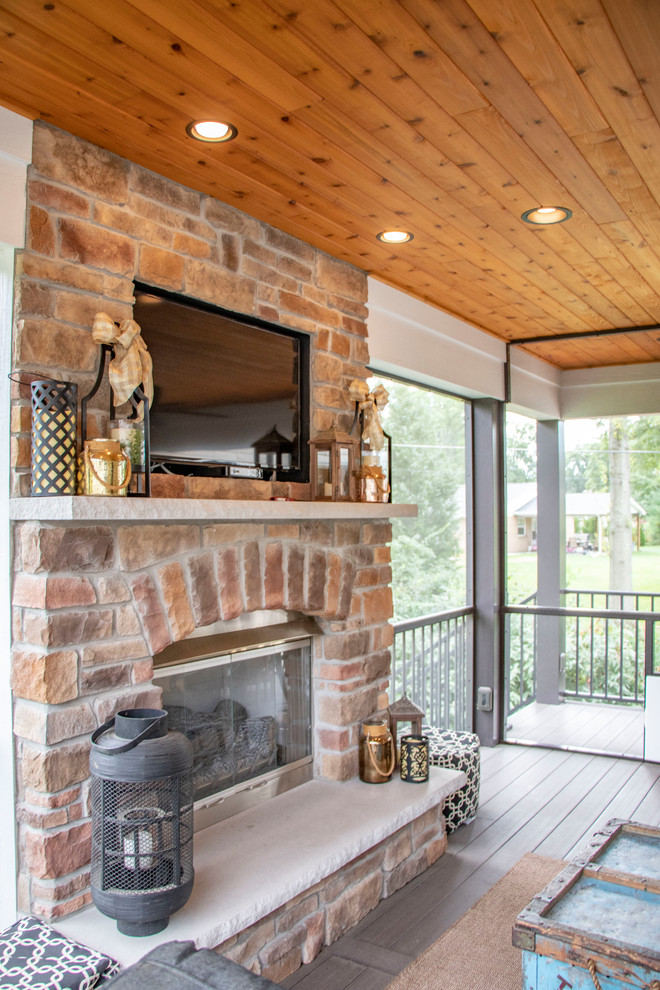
[[246, 714]]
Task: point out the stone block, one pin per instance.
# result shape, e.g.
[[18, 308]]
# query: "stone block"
[[49, 912], [52, 800], [229, 581], [78, 164], [142, 546], [204, 280], [88, 548], [160, 267], [398, 848], [58, 199], [253, 577], [58, 853], [184, 243], [50, 678], [288, 245], [67, 628], [281, 945], [96, 679], [59, 890], [249, 945], [334, 739], [273, 576], [344, 709], [148, 606], [316, 581], [341, 278], [54, 769], [339, 766], [404, 872], [96, 246], [146, 697], [204, 590], [49, 344], [115, 651], [328, 369], [29, 591], [315, 928], [346, 646], [220, 533], [298, 910], [377, 605], [172, 194], [112, 590], [175, 595], [143, 670], [127, 622], [351, 906], [69, 592], [40, 231]]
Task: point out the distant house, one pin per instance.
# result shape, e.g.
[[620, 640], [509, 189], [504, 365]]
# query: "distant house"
[[522, 514]]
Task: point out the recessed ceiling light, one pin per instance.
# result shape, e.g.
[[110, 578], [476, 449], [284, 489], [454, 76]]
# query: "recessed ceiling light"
[[395, 236], [547, 214], [214, 131]]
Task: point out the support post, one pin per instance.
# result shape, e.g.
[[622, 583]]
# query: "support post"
[[489, 570], [551, 542]]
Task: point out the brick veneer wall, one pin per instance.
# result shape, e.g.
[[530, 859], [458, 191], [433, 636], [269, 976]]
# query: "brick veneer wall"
[[93, 603]]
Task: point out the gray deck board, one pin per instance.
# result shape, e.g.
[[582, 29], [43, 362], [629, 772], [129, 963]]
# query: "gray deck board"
[[532, 800]]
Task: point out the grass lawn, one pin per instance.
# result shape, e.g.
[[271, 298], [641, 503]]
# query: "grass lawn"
[[585, 571]]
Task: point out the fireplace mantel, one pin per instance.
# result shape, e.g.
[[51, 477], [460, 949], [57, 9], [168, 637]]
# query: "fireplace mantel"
[[85, 508]]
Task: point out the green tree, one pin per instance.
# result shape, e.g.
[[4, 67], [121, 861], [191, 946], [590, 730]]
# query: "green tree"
[[428, 469], [520, 448]]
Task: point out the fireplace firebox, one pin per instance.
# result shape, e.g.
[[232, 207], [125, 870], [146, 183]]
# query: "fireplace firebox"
[[244, 702]]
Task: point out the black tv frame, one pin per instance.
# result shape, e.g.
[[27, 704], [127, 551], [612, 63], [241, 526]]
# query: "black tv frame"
[[223, 469]]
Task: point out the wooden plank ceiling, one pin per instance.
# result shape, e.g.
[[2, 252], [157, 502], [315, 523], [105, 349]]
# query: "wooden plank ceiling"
[[448, 118]]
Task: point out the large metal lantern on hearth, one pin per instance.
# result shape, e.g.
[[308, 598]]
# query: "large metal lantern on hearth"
[[142, 820]]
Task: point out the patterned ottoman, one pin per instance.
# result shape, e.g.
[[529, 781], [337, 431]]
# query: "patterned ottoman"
[[457, 751]]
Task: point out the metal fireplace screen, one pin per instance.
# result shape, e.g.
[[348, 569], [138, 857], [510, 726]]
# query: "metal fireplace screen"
[[246, 714]]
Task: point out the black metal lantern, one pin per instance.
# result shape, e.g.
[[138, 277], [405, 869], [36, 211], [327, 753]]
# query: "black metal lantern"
[[54, 437], [405, 710], [142, 820], [414, 759]]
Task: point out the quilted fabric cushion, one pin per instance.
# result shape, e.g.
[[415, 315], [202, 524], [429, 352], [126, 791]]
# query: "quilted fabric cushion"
[[35, 957], [457, 751]]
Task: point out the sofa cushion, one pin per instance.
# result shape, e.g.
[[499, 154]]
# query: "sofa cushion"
[[34, 956]]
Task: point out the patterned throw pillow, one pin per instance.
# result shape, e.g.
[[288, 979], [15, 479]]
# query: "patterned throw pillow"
[[35, 957]]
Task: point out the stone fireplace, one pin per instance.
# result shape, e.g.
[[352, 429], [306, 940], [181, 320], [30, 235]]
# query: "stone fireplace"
[[102, 585]]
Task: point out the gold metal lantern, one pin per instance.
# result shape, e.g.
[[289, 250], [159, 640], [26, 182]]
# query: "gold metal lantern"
[[333, 464]]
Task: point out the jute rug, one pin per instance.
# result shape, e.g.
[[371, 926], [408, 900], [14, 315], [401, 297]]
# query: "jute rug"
[[476, 952]]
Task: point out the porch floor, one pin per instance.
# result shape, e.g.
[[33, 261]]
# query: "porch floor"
[[617, 730], [532, 800]]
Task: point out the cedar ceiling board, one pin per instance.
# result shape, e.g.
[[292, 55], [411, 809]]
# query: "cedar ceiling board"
[[637, 24], [36, 48], [140, 33], [523, 35], [586, 35], [459, 32]]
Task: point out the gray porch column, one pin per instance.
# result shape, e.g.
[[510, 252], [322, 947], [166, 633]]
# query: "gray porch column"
[[551, 542], [488, 418]]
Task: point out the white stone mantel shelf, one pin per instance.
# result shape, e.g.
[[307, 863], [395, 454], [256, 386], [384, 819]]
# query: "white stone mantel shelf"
[[87, 508], [253, 863]]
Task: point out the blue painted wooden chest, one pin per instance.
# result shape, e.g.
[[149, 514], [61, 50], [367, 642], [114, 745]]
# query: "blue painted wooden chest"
[[598, 923]]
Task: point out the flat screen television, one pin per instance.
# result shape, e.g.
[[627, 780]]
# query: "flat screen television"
[[231, 392]]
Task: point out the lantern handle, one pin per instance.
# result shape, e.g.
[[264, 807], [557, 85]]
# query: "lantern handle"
[[132, 743]]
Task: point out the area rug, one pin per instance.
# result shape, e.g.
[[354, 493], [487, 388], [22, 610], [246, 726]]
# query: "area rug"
[[476, 952]]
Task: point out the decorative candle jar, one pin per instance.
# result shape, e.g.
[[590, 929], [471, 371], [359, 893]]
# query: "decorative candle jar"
[[106, 469]]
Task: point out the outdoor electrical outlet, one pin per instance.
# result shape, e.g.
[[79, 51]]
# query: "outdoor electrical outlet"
[[484, 699]]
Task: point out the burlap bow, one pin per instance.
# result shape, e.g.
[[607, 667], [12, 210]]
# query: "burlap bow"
[[131, 365], [370, 403]]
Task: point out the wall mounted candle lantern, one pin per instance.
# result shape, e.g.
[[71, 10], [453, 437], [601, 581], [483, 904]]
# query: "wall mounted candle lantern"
[[142, 820], [333, 460]]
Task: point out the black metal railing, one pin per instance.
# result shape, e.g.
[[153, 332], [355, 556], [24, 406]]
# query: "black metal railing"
[[611, 645], [432, 665]]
